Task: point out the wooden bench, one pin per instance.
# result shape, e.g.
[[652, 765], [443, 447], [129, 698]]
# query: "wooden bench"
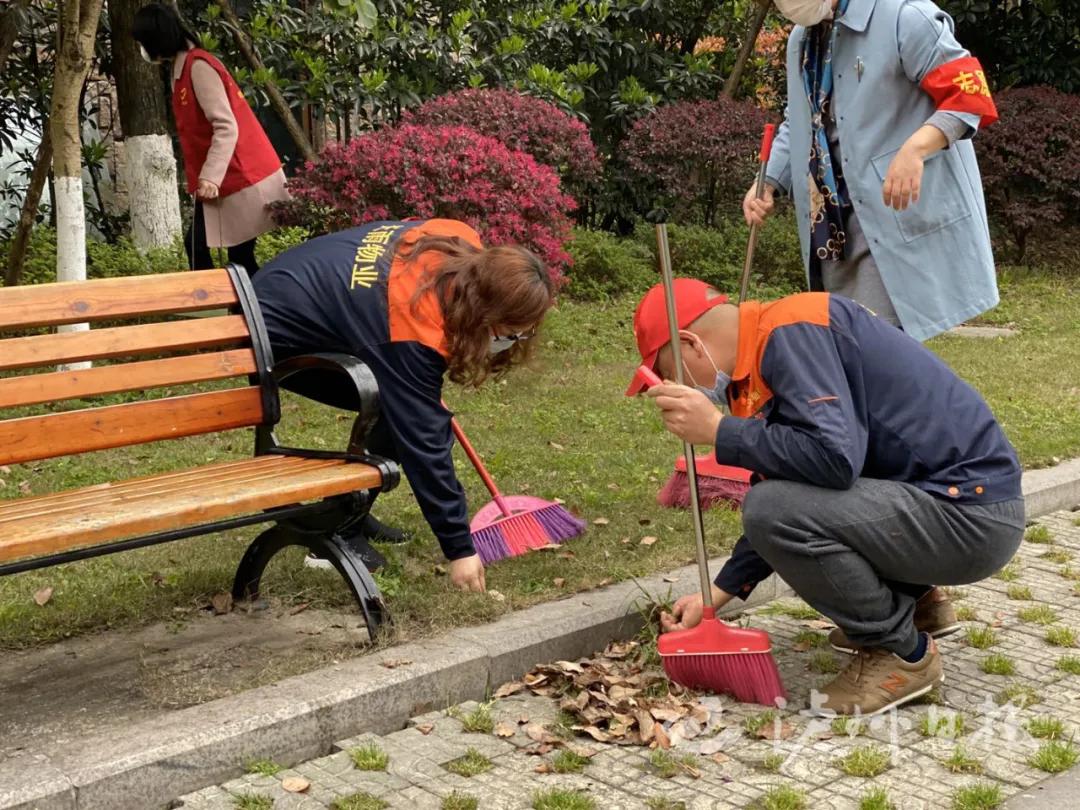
[[308, 496]]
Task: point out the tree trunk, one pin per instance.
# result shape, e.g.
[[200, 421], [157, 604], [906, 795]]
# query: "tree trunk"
[[698, 28], [10, 22], [277, 100], [149, 165], [20, 241], [76, 27], [734, 79]]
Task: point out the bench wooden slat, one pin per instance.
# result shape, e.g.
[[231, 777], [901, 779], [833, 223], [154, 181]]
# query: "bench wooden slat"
[[36, 437], [146, 374], [123, 297], [105, 521], [123, 341], [224, 474]]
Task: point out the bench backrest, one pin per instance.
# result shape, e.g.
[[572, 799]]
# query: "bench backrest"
[[158, 352]]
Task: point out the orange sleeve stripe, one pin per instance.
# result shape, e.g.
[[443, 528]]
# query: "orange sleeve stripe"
[[961, 86]]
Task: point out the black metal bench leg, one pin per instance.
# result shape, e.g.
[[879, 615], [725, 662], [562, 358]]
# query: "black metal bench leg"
[[324, 544]]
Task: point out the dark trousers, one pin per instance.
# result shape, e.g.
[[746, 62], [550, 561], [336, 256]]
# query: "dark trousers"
[[198, 252], [864, 555]]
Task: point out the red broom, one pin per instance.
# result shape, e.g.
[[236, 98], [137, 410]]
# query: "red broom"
[[712, 656], [511, 525], [720, 483]]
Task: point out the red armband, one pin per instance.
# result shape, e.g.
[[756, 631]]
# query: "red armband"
[[961, 86]]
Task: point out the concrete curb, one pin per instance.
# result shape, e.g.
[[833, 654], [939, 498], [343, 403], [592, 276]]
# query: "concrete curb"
[[1052, 489], [299, 718]]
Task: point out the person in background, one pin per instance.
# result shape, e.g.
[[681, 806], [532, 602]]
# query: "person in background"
[[875, 151], [232, 169], [416, 301]]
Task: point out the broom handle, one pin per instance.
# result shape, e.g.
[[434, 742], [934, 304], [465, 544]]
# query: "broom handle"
[[763, 157], [481, 470], [688, 449]]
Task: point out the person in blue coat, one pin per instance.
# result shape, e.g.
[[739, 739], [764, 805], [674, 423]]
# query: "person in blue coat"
[[875, 151]]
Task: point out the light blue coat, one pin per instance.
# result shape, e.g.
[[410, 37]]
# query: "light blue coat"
[[934, 258]]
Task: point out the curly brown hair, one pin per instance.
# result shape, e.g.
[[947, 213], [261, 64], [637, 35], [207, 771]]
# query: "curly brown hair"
[[479, 289]]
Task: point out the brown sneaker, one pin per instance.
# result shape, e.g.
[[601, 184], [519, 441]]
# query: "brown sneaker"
[[876, 680], [934, 615]]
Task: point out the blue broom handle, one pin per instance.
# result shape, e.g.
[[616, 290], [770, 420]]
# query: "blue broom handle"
[[688, 449]]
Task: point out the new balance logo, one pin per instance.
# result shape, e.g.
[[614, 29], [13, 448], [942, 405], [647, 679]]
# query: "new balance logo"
[[894, 682]]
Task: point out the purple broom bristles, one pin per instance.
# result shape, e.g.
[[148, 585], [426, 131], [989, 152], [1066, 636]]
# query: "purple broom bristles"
[[515, 535]]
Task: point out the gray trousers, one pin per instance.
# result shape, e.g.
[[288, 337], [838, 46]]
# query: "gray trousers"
[[864, 555]]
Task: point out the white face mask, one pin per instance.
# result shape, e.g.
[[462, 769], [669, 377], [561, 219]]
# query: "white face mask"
[[717, 393], [805, 12], [500, 343], [145, 55]]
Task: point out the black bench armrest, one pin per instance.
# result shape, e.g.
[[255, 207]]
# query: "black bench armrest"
[[366, 390]]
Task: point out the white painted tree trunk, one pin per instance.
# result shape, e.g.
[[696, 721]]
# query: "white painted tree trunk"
[[71, 242], [150, 177]]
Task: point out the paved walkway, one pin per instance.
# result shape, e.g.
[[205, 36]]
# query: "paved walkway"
[[730, 761]]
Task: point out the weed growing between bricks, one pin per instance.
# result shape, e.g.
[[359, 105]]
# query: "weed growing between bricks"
[[960, 762], [980, 796], [359, 801], [876, 799], [263, 767], [252, 801], [1054, 756], [783, 797], [1069, 664], [369, 757], [471, 764], [460, 801], [556, 799], [998, 664], [865, 761], [1061, 637], [1046, 728]]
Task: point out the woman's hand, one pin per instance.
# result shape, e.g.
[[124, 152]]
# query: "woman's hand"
[[207, 190], [686, 612], [467, 574], [903, 181], [757, 211], [686, 412]]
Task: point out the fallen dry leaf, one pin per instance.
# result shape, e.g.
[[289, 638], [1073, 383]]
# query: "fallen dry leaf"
[[660, 736], [505, 729], [5, 469], [671, 579], [43, 596], [544, 767], [626, 540], [700, 714], [801, 646], [567, 555], [532, 679], [819, 624], [537, 732], [558, 582], [394, 663], [221, 603], [594, 732], [508, 689], [613, 487], [603, 583], [24, 487], [425, 728], [300, 608], [522, 719], [664, 714], [620, 725], [295, 784], [601, 522], [774, 731], [576, 703], [720, 758], [556, 446], [648, 540], [440, 570], [498, 597], [569, 666]]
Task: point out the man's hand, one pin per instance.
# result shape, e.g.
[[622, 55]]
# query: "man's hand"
[[903, 181], [467, 574], [757, 211], [207, 190], [687, 412], [686, 612]]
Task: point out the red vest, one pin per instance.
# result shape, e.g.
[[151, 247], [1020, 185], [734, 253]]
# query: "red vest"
[[254, 158]]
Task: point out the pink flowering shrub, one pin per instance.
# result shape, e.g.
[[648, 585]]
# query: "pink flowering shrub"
[[450, 172], [695, 155], [524, 123]]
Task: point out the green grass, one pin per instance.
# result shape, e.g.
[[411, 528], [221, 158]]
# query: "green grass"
[[585, 353], [981, 796], [793, 610], [1057, 555], [1054, 756], [755, 722], [1039, 534], [876, 799], [472, 763], [811, 639], [359, 801], [667, 765], [844, 726], [824, 662], [1069, 573], [772, 763], [567, 761], [479, 720], [1069, 664], [981, 638], [1019, 592], [941, 724], [263, 767], [556, 799], [782, 797], [459, 801], [369, 757], [966, 613], [960, 762], [865, 761], [1010, 573], [252, 801], [1046, 728], [1061, 637], [1038, 614], [998, 664], [662, 803], [1019, 694]]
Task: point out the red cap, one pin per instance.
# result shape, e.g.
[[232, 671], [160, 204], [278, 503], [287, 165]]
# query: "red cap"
[[693, 299]]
